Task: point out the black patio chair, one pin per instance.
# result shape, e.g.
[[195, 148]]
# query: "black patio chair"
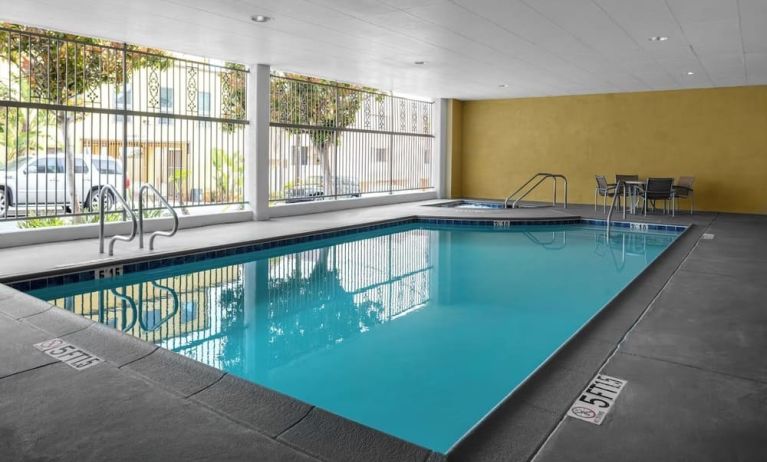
[[683, 190], [657, 189]]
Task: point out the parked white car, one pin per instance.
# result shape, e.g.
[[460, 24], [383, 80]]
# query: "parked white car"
[[41, 182]]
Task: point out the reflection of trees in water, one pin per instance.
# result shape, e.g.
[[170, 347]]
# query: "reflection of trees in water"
[[232, 308], [310, 312]]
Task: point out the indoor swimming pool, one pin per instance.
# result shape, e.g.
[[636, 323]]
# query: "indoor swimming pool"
[[418, 330]]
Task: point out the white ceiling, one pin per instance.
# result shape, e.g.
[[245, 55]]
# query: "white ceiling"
[[536, 47]]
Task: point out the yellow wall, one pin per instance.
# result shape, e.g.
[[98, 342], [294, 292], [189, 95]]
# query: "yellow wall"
[[717, 135]]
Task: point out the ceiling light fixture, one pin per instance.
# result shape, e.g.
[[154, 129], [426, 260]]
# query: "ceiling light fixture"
[[690, 73], [260, 18], [658, 38], [420, 63]]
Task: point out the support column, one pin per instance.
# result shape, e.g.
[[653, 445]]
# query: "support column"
[[441, 132], [257, 149]]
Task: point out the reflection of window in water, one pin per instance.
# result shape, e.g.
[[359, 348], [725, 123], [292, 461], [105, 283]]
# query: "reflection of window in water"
[[188, 312], [319, 297], [314, 299]]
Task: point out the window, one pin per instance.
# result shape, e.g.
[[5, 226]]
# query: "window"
[[379, 144], [178, 122], [203, 103], [124, 101], [300, 155], [80, 166], [43, 166], [189, 312], [166, 103], [109, 166]]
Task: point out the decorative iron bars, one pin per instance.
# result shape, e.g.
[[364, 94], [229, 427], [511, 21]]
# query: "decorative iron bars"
[[330, 140], [78, 113]]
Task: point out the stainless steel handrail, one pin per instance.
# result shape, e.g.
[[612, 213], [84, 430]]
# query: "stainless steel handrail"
[[166, 318], [149, 187], [111, 189], [612, 204], [543, 177], [134, 311]]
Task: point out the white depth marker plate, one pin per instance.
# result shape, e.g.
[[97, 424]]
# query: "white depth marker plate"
[[597, 399], [72, 356]]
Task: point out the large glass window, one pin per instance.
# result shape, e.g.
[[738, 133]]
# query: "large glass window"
[[173, 121], [330, 140]]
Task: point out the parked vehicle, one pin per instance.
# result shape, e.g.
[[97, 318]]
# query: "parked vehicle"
[[41, 182], [314, 189]]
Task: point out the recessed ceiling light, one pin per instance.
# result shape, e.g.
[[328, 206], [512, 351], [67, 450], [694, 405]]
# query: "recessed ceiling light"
[[658, 38], [420, 63], [260, 18], [690, 73], [503, 85]]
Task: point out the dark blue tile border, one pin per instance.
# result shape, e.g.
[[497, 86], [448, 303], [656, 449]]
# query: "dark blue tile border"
[[495, 223]]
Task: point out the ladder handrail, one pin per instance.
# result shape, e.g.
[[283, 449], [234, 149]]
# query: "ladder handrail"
[[149, 187], [612, 205], [102, 219], [134, 315], [544, 176], [164, 319]]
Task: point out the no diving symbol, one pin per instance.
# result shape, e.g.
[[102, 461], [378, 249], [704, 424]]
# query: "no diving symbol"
[[583, 412]]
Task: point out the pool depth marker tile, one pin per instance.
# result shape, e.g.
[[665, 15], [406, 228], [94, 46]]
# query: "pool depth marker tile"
[[596, 401], [72, 356]]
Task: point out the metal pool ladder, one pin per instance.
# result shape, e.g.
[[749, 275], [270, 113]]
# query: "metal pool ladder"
[[102, 194], [149, 187], [541, 177], [618, 192]]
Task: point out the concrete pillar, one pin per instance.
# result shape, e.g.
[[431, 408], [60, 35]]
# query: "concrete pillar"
[[257, 148], [441, 132]]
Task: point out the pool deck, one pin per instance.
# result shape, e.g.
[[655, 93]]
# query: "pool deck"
[[689, 335]]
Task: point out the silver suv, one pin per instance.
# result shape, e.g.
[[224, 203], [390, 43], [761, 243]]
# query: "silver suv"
[[42, 182], [314, 189]]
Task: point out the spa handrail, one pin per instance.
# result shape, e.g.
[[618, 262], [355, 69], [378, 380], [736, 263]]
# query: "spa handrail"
[[149, 187], [542, 176], [113, 192]]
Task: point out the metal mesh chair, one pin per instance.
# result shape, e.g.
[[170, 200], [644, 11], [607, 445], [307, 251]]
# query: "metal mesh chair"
[[659, 189], [623, 179], [683, 190], [603, 189]]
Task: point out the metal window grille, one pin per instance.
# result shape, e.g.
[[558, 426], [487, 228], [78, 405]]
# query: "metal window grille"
[[360, 141], [176, 123]]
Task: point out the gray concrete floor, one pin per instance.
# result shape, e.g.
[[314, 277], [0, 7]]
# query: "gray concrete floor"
[[695, 363], [688, 336]]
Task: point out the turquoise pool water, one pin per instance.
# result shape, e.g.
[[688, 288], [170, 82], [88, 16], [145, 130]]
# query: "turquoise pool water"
[[415, 330]]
